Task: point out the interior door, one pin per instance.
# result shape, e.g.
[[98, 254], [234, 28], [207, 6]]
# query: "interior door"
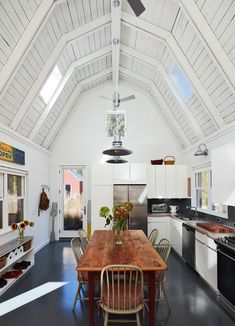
[[73, 208]]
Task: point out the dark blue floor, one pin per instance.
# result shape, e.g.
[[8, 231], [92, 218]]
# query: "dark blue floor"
[[191, 301]]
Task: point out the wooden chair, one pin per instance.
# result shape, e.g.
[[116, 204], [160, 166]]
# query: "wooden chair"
[[122, 292], [163, 248], [153, 237], [83, 238], [82, 278]]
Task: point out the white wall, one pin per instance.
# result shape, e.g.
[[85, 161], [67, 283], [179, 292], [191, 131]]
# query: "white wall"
[[83, 137], [38, 167]]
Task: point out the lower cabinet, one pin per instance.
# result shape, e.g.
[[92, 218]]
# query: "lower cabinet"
[[175, 235], [100, 196], [161, 224], [206, 259]]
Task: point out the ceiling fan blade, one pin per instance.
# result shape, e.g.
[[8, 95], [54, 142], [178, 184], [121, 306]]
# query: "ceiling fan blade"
[[105, 98], [128, 98], [137, 6]]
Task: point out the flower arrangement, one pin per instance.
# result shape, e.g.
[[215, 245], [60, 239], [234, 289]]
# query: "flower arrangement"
[[21, 227], [117, 216]]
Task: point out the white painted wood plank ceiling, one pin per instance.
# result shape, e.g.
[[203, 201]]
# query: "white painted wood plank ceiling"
[[198, 36]]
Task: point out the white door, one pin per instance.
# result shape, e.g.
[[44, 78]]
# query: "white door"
[[72, 204]]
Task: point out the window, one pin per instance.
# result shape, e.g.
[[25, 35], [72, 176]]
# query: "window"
[[202, 195], [12, 198], [51, 85], [182, 85]]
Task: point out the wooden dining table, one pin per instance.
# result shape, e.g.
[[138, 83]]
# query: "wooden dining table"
[[135, 250]]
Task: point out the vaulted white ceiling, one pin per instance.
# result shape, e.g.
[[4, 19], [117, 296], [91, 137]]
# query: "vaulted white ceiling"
[[76, 35]]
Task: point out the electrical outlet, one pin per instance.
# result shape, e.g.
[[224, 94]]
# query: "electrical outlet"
[[218, 219]]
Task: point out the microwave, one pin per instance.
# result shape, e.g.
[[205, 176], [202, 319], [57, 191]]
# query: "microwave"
[[159, 208]]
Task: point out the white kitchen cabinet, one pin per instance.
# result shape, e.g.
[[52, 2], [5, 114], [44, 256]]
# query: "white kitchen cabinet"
[[161, 224], [167, 181], [130, 173], [160, 181], [101, 174], [206, 258], [100, 196], [223, 176], [176, 234]]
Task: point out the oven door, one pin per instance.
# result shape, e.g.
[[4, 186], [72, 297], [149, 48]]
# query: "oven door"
[[226, 274]]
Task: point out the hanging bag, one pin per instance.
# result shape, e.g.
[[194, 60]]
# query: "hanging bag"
[[43, 202]]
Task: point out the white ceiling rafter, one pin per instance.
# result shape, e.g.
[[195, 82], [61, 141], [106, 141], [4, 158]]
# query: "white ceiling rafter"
[[82, 31], [162, 101], [75, 65], [161, 70], [26, 42], [115, 39], [207, 36], [180, 58], [70, 104]]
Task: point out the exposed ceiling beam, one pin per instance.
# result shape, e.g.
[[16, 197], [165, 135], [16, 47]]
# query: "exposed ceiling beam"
[[161, 102], [207, 36], [69, 106], [82, 31], [75, 65], [182, 61], [115, 38], [139, 56], [26, 42]]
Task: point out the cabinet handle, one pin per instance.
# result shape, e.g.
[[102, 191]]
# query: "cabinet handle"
[[221, 252], [200, 241]]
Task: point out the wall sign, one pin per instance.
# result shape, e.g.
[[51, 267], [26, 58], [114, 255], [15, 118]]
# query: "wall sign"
[[11, 154]]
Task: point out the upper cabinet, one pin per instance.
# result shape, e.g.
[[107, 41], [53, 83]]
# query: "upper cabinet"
[[223, 176], [130, 173], [167, 181], [101, 174]]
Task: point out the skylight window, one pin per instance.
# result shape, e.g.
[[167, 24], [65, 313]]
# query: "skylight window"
[[51, 85], [182, 85]]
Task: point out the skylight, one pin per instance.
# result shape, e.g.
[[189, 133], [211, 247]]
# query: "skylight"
[[51, 85], [182, 85]]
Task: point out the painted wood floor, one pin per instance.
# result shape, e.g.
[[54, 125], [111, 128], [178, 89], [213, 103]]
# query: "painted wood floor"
[[191, 301]]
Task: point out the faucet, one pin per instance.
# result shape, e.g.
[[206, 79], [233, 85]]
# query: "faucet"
[[194, 208]]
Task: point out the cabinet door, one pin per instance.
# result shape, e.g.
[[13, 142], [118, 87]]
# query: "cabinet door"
[[100, 196], [160, 182], [201, 258], [178, 237], [170, 172], [151, 183], [161, 225], [101, 174], [121, 172], [211, 274], [138, 172], [181, 181]]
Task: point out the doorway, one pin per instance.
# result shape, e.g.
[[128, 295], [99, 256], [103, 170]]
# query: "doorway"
[[73, 208]]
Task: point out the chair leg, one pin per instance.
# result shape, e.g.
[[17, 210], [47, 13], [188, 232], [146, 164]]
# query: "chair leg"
[[106, 319], [76, 296], [138, 319], [165, 296]]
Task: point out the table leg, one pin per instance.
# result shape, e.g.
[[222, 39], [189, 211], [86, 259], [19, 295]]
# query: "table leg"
[[151, 298], [91, 297]]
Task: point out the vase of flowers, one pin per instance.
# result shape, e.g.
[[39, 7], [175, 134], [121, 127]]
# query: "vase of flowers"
[[117, 218], [21, 227]]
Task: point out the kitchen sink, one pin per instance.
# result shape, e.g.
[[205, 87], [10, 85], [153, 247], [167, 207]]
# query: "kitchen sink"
[[216, 228]]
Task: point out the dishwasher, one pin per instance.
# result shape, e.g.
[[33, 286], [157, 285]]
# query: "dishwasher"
[[189, 245]]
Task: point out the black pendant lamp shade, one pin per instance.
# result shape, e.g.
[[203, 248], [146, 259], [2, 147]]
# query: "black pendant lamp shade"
[[116, 160], [117, 150]]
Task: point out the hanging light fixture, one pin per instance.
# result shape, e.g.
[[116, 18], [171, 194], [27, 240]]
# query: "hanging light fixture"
[[117, 149], [116, 160], [201, 151]]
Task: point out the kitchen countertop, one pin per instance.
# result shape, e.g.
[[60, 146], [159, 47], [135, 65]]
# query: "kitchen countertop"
[[193, 223]]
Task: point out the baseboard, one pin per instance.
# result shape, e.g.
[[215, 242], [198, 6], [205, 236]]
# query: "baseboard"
[[41, 246]]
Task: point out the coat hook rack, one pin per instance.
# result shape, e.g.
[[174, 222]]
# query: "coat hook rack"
[[45, 187]]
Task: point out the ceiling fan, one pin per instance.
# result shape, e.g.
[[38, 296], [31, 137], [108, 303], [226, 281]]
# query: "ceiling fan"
[[117, 100], [137, 6]]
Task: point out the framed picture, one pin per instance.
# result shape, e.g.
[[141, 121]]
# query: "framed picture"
[[116, 123]]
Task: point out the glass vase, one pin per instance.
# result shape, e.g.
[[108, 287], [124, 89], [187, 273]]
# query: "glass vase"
[[118, 234], [21, 235]]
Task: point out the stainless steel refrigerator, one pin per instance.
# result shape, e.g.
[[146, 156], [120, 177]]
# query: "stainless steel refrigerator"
[[135, 194]]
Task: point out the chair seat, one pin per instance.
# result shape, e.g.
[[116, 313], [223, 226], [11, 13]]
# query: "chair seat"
[[131, 301]]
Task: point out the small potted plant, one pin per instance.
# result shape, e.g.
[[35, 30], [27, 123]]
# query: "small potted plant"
[[117, 218], [21, 227]]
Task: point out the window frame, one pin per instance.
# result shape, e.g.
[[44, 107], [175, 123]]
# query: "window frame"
[[10, 171], [194, 188]]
